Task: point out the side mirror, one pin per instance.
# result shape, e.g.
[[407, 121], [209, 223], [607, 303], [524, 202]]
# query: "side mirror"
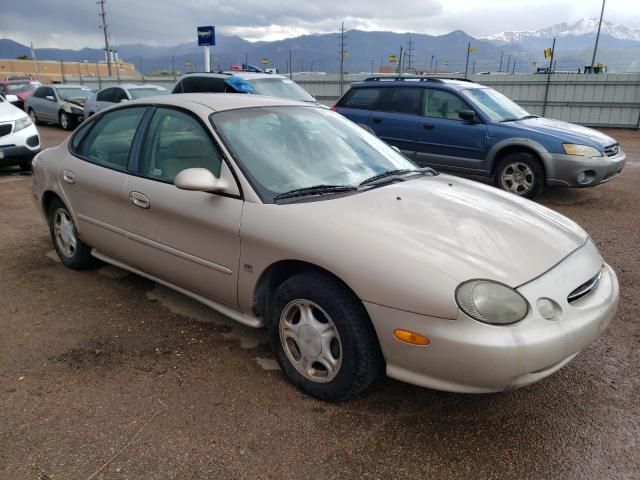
[[199, 180], [467, 115], [50, 98], [124, 100], [395, 148], [11, 98]]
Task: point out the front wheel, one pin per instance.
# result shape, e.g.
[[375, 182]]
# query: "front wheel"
[[33, 117], [73, 252], [520, 173], [66, 121], [323, 338]]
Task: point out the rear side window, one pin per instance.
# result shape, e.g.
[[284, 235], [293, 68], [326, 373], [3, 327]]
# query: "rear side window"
[[202, 85], [106, 95], [174, 142], [365, 98], [109, 142], [403, 100]]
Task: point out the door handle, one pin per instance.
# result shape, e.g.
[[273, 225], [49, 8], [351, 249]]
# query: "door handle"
[[68, 176], [139, 200], [428, 126], [376, 119]]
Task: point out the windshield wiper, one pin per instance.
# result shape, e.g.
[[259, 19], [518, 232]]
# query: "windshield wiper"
[[397, 173], [315, 190], [516, 119]]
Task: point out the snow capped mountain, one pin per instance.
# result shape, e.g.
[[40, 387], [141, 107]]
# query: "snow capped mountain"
[[584, 26]]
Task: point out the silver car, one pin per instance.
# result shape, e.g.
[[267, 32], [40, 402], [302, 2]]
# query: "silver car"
[[288, 216], [59, 104], [108, 96]]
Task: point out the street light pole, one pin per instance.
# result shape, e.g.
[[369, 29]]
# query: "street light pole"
[[595, 47]]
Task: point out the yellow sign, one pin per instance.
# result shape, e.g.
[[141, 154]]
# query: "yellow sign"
[[393, 58], [472, 49], [188, 63], [345, 55], [446, 62], [547, 53], [265, 61]]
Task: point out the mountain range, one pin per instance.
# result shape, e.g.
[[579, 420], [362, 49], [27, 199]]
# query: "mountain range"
[[366, 50]]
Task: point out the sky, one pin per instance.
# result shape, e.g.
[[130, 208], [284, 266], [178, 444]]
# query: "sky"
[[75, 23]]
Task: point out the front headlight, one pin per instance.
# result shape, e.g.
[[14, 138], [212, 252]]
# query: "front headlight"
[[581, 150], [491, 302], [21, 124]]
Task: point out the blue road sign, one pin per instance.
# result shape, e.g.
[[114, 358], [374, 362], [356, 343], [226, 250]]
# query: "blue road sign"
[[206, 36]]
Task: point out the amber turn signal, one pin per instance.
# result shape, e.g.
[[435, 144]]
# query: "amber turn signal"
[[411, 337]]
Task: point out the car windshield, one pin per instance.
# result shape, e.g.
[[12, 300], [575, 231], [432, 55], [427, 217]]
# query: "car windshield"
[[287, 148], [147, 92], [72, 93], [280, 87], [495, 105], [14, 88]]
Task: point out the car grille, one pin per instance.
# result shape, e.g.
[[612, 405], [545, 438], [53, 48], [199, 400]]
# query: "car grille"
[[612, 150], [5, 129], [585, 289]]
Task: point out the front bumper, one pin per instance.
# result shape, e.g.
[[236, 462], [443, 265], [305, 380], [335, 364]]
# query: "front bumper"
[[471, 357], [19, 146], [576, 171]]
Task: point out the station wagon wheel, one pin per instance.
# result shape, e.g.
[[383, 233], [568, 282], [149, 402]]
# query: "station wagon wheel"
[[520, 173], [323, 338], [73, 252]]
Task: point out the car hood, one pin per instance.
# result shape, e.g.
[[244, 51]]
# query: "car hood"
[[462, 228], [564, 131], [9, 112]]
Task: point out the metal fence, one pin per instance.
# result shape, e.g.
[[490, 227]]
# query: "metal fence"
[[606, 100]]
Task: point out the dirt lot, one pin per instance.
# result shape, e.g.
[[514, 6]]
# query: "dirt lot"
[[105, 375]]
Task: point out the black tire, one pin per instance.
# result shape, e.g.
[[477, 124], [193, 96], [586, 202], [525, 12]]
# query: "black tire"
[[80, 258], [33, 116], [361, 360], [25, 165], [529, 170], [66, 121]]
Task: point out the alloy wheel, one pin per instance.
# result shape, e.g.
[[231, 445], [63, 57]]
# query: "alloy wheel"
[[518, 178], [64, 232]]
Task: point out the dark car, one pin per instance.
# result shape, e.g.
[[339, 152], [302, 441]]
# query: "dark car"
[[459, 125], [20, 88]]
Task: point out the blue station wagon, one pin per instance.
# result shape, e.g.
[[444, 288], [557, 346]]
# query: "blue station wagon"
[[459, 125]]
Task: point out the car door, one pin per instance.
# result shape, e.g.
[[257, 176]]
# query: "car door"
[[446, 140], [398, 117], [93, 179], [187, 238], [42, 105]]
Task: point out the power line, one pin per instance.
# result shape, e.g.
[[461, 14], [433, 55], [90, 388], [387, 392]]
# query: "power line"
[[103, 15]]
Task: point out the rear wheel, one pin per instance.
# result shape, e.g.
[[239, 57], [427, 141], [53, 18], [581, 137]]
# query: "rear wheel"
[[323, 338], [73, 252], [520, 173]]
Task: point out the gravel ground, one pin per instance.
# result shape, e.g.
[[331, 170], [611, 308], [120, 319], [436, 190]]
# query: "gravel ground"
[[105, 375]]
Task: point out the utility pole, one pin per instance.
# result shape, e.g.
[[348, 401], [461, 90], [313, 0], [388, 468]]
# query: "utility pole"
[[473, 68], [436, 70], [501, 55], [290, 64], [409, 52], [400, 61], [466, 66], [431, 64], [106, 34], [513, 70], [342, 55], [173, 67], [508, 62], [595, 47], [246, 60]]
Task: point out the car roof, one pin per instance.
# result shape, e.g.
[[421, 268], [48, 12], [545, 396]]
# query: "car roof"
[[232, 73], [133, 86], [66, 85], [220, 101], [421, 81], [249, 75]]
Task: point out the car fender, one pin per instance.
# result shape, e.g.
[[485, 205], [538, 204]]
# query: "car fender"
[[525, 144]]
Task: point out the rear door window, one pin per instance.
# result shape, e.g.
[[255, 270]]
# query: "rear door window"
[[109, 142], [203, 85], [364, 98], [106, 95], [403, 100], [443, 104]]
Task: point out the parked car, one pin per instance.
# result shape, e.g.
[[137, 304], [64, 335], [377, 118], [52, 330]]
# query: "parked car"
[[354, 258], [59, 104], [121, 93], [465, 127], [19, 140], [242, 82], [20, 88]]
